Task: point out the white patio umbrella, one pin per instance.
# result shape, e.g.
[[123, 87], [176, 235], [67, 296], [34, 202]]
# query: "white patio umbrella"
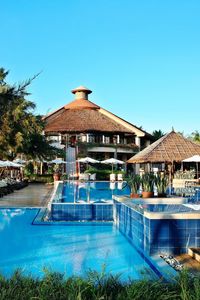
[[2, 164], [11, 164], [19, 161], [113, 161], [57, 161], [87, 160], [194, 158]]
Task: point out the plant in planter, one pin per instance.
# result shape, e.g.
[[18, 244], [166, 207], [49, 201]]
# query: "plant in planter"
[[56, 174], [162, 182], [134, 183], [148, 181]]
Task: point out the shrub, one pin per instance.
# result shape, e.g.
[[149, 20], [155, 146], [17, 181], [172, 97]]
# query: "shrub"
[[97, 286], [44, 178]]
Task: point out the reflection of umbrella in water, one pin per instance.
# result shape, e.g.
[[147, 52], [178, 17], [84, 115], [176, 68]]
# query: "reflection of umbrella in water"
[[194, 158], [113, 161]]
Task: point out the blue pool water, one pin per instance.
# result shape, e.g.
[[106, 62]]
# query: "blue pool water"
[[94, 191], [70, 249]]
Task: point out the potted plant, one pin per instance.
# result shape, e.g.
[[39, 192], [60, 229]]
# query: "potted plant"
[[56, 174], [162, 182], [134, 183], [148, 181]]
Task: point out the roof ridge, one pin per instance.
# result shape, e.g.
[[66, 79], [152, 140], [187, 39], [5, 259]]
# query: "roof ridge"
[[81, 103]]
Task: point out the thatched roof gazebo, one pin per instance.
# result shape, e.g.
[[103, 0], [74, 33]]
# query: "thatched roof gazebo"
[[172, 147], [169, 149]]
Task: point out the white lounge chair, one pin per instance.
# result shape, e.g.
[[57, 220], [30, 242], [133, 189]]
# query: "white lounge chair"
[[84, 176], [112, 177], [93, 176], [119, 177]]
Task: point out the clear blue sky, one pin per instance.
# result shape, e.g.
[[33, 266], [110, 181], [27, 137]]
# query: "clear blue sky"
[[140, 58]]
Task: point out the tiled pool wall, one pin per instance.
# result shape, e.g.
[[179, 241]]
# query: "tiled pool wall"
[[81, 212], [172, 236]]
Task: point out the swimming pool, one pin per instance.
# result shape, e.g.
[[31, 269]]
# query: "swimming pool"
[[70, 249], [76, 191]]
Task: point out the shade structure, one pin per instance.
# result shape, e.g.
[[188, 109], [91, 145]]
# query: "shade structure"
[[196, 159], [10, 164], [19, 161], [2, 164], [87, 160], [172, 147], [57, 161], [113, 161]]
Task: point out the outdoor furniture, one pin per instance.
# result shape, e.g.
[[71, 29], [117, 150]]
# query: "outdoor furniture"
[[112, 177], [84, 176], [93, 176], [119, 177]]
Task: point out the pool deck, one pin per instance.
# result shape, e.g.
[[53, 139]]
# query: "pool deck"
[[189, 263], [34, 195]]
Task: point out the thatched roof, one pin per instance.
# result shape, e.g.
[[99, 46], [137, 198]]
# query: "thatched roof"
[[83, 120], [171, 147], [81, 115]]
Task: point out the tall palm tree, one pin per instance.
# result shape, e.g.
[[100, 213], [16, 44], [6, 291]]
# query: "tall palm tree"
[[20, 129], [157, 134]]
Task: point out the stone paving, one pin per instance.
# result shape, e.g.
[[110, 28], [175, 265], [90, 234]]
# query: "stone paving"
[[34, 195]]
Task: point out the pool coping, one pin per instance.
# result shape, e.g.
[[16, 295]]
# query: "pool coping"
[[128, 202]]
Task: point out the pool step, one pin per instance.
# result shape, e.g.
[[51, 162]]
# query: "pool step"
[[194, 253]]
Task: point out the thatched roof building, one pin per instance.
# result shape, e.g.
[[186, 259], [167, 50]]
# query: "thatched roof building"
[[93, 130], [172, 147], [82, 115]]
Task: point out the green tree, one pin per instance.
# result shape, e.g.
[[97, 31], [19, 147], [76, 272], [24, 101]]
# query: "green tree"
[[195, 136], [157, 134], [20, 129]]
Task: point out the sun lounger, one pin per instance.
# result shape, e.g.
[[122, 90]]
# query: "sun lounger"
[[112, 177], [93, 176], [84, 176], [119, 177]]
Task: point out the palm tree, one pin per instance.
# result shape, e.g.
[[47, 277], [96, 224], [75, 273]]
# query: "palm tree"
[[157, 134], [195, 136], [20, 129]]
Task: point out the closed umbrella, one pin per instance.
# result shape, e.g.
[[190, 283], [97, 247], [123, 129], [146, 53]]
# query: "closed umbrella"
[[113, 161]]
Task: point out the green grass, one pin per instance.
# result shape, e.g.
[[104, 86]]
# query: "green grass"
[[97, 286]]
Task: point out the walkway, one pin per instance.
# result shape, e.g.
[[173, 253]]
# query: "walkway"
[[34, 195]]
